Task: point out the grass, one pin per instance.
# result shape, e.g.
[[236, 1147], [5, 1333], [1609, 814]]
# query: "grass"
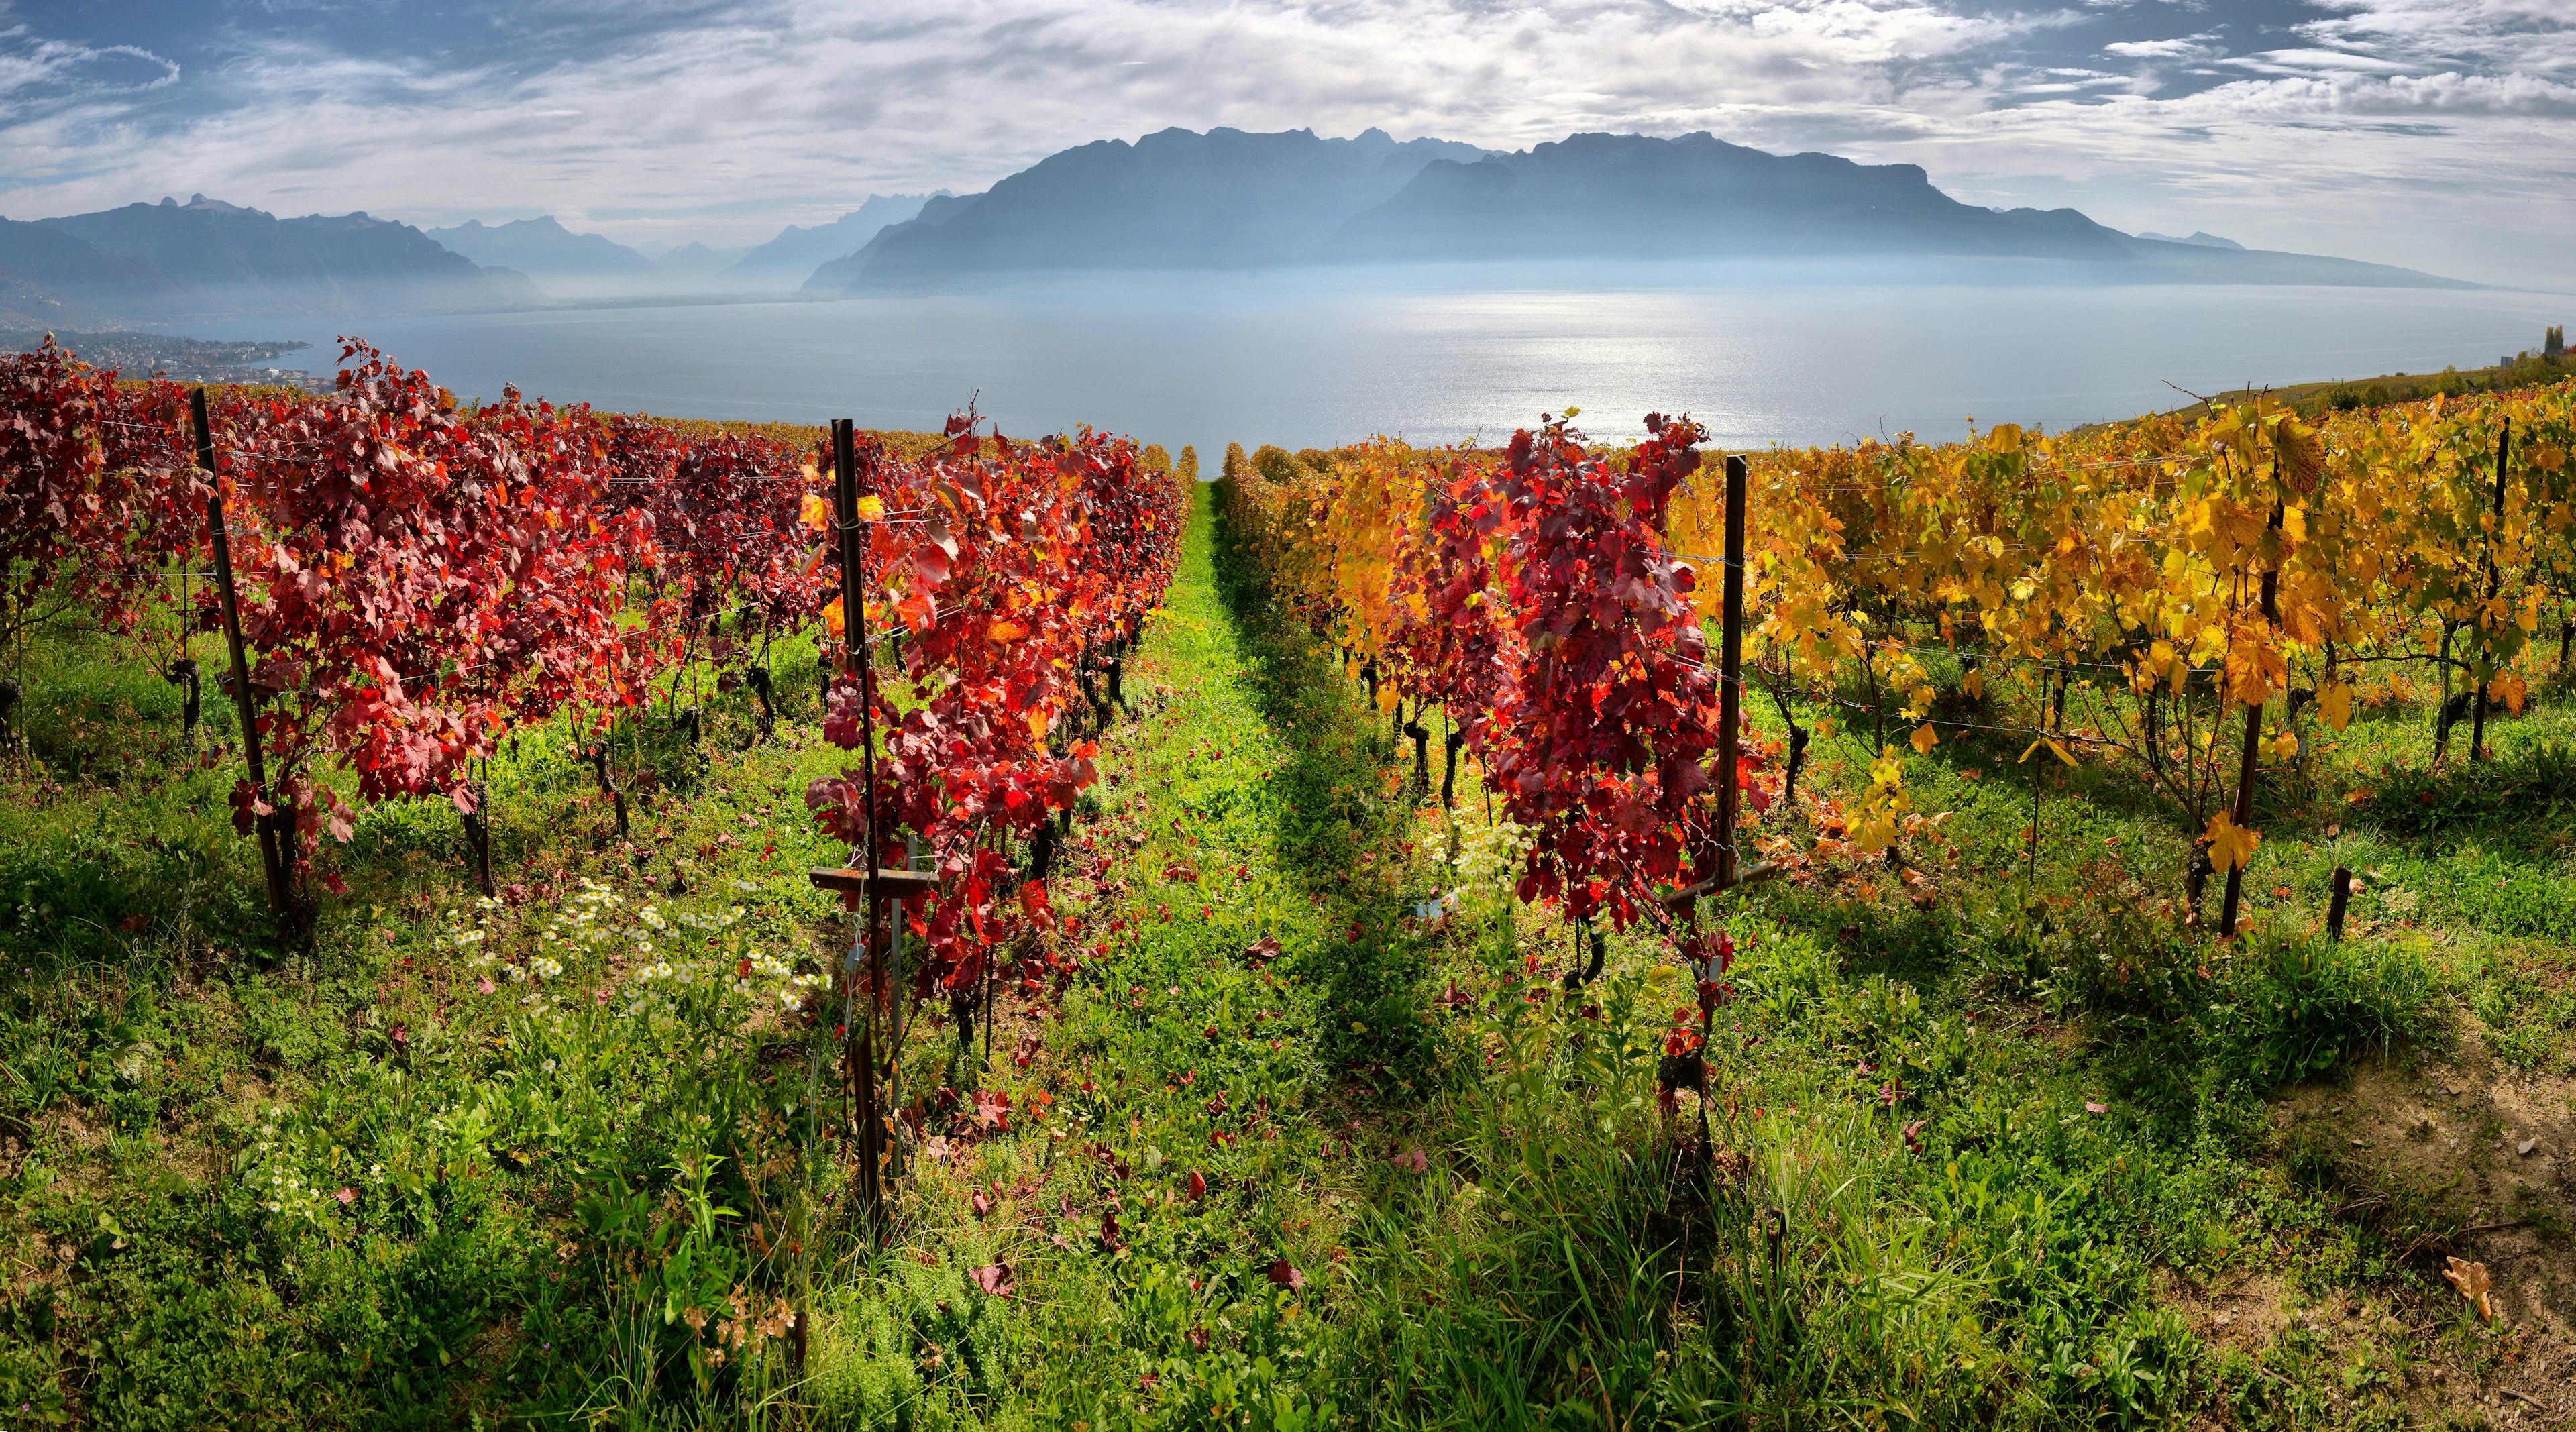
[[1282, 1137], [2526, 369]]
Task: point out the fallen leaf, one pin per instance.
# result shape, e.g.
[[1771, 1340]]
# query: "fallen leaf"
[[995, 1280], [2471, 1279]]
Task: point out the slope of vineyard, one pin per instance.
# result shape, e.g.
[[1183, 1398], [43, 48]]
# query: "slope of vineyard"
[[1320, 1009]]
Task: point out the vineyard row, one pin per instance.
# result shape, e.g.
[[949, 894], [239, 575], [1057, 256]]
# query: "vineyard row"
[[2180, 596], [416, 580]]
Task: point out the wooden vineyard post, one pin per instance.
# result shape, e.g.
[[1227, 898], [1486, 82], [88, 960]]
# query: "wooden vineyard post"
[[875, 888], [2485, 669], [1730, 872], [1730, 679], [271, 858], [478, 835], [2249, 765], [859, 1048], [2342, 898], [2030, 872], [896, 984]]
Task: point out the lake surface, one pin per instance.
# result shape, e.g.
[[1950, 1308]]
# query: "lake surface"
[[1323, 356]]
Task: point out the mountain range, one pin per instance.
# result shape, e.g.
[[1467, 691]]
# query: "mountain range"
[[787, 261], [1223, 199], [207, 258], [1226, 199], [1176, 199], [542, 248], [570, 265]]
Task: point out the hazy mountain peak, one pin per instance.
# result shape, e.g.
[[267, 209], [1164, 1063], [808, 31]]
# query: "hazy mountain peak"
[[543, 248], [2198, 239], [208, 256], [785, 261], [1175, 198]]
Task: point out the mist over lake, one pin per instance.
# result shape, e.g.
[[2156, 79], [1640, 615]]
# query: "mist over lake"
[[1314, 357]]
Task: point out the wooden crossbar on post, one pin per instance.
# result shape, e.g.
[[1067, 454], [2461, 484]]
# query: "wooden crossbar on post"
[[245, 701], [886, 885]]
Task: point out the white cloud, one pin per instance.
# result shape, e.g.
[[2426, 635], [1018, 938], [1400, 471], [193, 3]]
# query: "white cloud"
[[2295, 62], [2189, 47], [34, 71]]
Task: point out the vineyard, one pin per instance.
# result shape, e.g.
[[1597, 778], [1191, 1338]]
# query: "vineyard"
[[527, 915]]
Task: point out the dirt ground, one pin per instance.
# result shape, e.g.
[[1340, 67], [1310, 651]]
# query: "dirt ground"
[[2445, 1153]]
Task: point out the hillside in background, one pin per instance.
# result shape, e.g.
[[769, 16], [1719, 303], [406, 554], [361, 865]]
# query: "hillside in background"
[[1630, 196], [1226, 199], [542, 248], [696, 264], [230, 259], [54, 276], [1177, 199], [786, 261]]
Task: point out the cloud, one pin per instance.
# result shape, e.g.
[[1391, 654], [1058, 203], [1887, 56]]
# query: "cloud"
[[2184, 48], [721, 119], [37, 73], [2150, 49], [2294, 62]]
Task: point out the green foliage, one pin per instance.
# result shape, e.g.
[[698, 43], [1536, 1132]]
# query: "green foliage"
[[2299, 1007]]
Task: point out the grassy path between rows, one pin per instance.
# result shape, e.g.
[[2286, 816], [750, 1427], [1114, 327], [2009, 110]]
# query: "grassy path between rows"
[[1149, 1231]]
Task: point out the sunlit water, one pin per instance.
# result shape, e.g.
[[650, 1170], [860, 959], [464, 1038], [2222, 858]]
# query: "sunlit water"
[[1322, 356]]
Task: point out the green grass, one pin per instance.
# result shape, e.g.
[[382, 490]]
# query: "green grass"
[[1279, 1151]]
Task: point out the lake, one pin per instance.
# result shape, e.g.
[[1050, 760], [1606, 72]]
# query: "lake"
[[1321, 356]]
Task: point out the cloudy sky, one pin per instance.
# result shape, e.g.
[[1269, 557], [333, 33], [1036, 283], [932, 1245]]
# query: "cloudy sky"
[[2439, 134]]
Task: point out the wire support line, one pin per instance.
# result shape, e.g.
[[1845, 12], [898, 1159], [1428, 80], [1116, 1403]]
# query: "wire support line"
[[444, 672], [2076, 737], [1966, 545], [1793, 484], [1984, 656]]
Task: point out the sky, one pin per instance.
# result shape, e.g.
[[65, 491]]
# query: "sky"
[[2437, 134]]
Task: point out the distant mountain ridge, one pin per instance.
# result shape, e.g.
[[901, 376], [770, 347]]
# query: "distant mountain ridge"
[[790, 258], [542, 248], [1227, 199], [695, 262], [1631, 196], [59, 277], [1174, 199], [207, 258], [2198, 237]]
